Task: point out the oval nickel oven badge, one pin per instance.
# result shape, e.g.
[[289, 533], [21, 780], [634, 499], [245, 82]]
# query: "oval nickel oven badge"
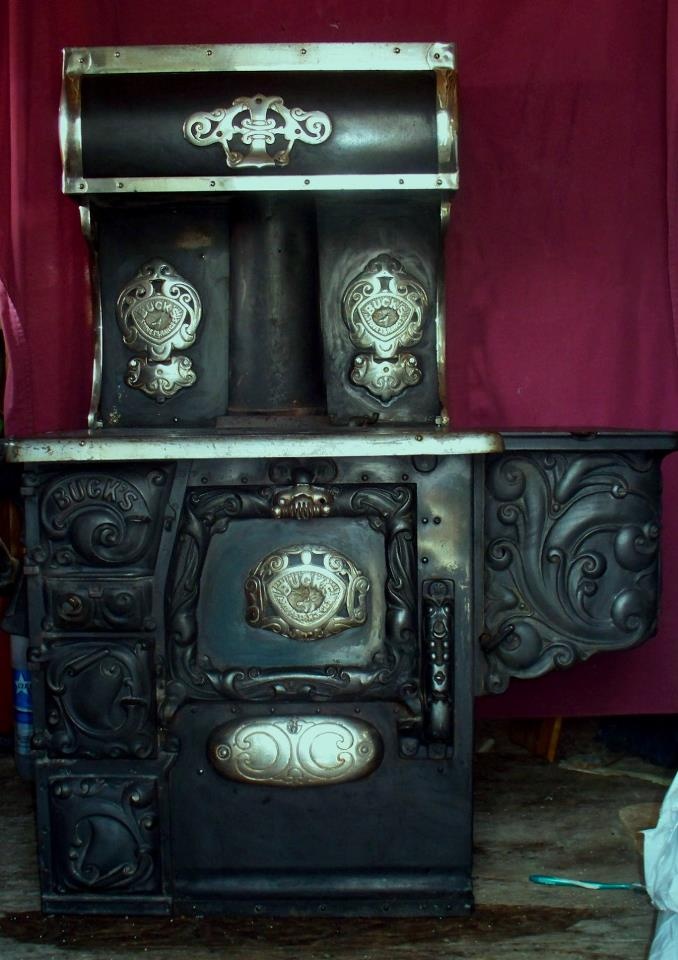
[[291, 751]]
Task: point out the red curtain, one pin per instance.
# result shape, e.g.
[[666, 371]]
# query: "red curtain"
[[563, 254]]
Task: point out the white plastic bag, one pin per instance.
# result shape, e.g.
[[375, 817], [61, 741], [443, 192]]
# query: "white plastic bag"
[[661, 876], [665, 943]]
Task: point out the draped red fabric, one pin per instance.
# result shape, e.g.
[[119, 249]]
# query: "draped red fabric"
[[563, 258]]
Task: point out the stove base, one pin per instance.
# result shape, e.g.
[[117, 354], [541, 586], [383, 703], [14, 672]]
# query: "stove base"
[[456, 903]]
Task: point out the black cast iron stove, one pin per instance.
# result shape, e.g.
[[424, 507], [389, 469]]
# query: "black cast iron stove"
[[266, 584]]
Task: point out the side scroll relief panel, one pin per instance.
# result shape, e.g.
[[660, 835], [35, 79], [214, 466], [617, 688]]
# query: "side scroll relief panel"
[[571, 559]]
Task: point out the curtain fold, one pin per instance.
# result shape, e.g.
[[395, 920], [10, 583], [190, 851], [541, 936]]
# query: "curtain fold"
[[563, 247], [672, 155]]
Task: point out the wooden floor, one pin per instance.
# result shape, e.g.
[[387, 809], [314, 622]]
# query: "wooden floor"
[[531, 817]]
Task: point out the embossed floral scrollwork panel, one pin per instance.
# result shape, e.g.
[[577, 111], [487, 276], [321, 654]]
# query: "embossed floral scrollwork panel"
[[104, 834], [99, 519], [99, 605], [99, 699], [571, 559]]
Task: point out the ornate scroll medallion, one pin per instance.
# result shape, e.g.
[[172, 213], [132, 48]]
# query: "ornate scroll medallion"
[[383, 308], [385, 378], [257, 131], [291, 751], [158, 312], [306, 593]]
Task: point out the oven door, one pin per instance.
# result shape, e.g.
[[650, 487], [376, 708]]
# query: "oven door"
[[317, 687]]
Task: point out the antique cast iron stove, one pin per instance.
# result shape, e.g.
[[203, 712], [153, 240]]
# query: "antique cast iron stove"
[[265, 586]]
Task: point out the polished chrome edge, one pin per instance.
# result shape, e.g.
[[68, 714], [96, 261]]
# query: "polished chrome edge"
[[260, 57], [446, 119], [88, 228], [323, 182], [103, 447], [441, 359], [70, 129]]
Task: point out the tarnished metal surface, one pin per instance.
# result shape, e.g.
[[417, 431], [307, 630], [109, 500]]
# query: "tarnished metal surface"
[[388, 125], [136, 592], [89, 232], [389, 304], [135, 584], [314, 183], [294, 601], [400, 110], [274, 335], [293, 751], [192, 244], [220, 529]]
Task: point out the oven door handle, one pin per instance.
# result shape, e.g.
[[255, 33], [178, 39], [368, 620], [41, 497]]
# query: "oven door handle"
[[438, 636]]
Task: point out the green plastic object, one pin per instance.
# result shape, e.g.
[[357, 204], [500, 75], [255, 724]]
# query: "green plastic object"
[[586, 884]]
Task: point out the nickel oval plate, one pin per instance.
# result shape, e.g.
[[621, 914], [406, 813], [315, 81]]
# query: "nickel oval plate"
[[292, 751]]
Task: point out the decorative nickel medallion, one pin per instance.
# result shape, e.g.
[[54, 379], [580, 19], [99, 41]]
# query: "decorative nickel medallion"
[[385, 378], [158, 312], [383, 308], [257, 131], [290, 751], [306, 593]]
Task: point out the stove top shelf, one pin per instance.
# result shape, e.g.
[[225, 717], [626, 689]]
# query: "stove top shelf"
[[194, 445], [224, 444]]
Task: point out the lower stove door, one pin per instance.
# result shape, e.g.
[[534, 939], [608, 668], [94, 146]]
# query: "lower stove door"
[[305, 808]]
